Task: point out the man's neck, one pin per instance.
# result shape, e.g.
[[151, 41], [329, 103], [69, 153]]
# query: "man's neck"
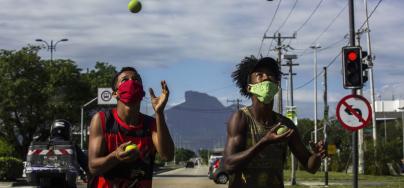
[[263, 113], [128, 114]]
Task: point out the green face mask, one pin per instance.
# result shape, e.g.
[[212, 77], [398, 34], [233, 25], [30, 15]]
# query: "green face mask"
[[265, 91]]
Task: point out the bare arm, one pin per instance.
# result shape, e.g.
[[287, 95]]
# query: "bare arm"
[[235, 154], [310, 161], [162, 139], [99, 161]]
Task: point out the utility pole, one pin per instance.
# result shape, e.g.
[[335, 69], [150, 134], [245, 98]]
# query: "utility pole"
[[325, 124], [289, 63], [361, 167], [237, 101], [354, 91], [369, 61], [279, 49], [315, 47]]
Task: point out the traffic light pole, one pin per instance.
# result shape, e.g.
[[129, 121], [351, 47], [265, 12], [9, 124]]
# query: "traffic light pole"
[[355, 133]]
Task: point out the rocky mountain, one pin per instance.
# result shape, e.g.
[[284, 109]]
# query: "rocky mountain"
[[199, 122]]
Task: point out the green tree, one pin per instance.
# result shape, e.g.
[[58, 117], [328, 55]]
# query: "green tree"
[[22, 95], [204, 154], [182, 154], [100, 76], [66, 89]]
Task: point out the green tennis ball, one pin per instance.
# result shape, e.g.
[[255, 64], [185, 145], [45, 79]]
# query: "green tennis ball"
[[134, 6], [281, 130], [131, 147]]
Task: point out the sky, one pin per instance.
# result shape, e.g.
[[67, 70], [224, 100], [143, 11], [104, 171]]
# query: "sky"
[[195, 45]]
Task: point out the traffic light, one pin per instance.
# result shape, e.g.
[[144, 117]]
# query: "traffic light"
[[352, 67]]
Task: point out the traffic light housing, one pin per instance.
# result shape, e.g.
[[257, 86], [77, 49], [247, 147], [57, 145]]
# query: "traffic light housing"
[[352, 67]]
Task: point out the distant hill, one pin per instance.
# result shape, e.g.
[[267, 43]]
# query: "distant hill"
[[199, 122]]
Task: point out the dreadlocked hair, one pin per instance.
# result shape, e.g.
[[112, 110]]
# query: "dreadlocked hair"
[[241, 76]]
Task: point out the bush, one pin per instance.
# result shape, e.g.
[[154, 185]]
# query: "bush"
[[6, 149], [10, 168]]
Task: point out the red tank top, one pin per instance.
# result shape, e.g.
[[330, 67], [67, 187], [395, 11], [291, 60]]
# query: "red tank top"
[[115, 132]]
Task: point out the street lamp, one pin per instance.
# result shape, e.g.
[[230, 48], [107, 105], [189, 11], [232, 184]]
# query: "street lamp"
[[51, 47], [315, 47]]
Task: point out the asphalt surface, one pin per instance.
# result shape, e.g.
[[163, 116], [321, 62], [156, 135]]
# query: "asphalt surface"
[[196, 177]]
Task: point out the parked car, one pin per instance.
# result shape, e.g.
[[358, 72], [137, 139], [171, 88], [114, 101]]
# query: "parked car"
[[189, 164], [217, 172]]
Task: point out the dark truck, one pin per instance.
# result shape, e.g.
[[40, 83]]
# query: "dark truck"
[[56, 160]]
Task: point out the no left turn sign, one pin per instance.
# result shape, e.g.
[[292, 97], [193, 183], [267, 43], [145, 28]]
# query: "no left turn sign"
[[354, 112]]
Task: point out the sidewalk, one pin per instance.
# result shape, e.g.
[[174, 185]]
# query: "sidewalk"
[[338, 183]]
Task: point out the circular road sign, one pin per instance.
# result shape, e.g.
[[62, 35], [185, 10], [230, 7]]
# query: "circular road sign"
[[353, 112], [106, 95]]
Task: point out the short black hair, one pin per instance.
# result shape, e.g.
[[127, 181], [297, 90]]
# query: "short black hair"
[[241, 76], [114, 80]]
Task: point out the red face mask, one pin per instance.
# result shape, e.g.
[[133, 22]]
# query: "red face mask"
[[130, 92]]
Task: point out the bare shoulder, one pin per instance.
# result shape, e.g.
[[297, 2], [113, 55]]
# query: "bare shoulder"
[[95, 125], [237, 123]]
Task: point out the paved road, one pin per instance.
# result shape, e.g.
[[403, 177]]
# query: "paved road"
[[185, 178], [179, 178]]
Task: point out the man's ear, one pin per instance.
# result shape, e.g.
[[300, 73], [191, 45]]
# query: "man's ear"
[[115, 94], [248, 88]]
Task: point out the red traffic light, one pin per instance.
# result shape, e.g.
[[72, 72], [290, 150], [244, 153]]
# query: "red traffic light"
[[352, 56]]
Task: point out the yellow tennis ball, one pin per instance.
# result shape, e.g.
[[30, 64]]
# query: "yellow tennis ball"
[[134, 6], [282, 130], [131, 147]]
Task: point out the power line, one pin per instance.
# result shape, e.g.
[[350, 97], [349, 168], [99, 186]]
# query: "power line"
[[326, 28], [370, 15], [318, 74], [311, 15], [287, 17], [269, 26]]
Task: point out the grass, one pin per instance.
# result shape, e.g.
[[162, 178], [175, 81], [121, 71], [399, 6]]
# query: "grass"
[[340, 180]]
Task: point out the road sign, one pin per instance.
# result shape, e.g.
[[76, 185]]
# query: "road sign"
[[331, 149], [105, 96], [353, 112], [291, 114]]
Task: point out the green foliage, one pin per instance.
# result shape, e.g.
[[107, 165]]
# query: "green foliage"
[[35, 92], [204, 154], [182, 154], [22, 96], [66, 90], [10, 168], [6, 149], [101, 76]]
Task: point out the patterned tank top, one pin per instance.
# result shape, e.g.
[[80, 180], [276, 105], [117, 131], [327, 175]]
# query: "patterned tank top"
[[125, 175], [266, 168]]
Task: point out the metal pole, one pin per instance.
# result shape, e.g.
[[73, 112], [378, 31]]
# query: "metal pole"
[[355, 133], [402, 121], [384, 117], [325, 127], [82, 121], [51, 49], [280, 108], [315, 95], [315, 47], [293, 179], [370, 74], [81, 127]]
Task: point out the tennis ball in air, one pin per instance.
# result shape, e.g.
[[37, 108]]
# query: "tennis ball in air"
[[281, 130], [131, 147], [134, 6]]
